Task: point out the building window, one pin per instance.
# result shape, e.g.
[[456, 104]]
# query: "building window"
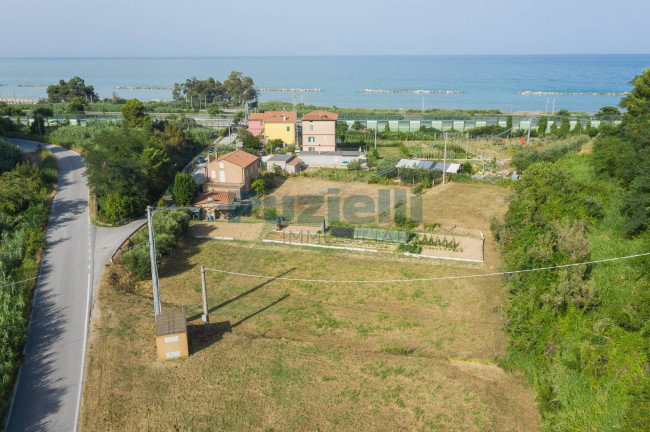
[[220, 164], [288, 128], [213, 174], [312, 148], [311, 127], [311, 139]]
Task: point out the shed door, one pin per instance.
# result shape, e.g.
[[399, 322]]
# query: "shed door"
[[222, 176]]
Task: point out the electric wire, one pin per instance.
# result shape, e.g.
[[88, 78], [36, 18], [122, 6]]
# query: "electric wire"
[[511, 272]]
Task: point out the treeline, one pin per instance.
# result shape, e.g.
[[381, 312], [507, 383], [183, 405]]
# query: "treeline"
[[130, 164], [582, 333], [23, 216], [129, 168], [235, 90]]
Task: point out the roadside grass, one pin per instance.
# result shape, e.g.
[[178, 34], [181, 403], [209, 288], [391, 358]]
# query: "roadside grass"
[[283, 355]]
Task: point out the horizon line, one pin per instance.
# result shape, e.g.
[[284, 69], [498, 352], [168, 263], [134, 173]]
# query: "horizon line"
[[313, 56]]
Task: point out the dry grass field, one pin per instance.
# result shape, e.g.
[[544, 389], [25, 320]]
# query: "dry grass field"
[[282, 355]]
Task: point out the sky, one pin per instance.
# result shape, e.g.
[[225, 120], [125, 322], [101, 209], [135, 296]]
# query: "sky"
[[189, 28]]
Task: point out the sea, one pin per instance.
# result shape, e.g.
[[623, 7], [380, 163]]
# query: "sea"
[[473, 82]]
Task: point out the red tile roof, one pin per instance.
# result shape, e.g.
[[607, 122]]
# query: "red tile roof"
[[218, 197], [239, 157], [294, 161], [256, 116], [320, 115], [280, 116]]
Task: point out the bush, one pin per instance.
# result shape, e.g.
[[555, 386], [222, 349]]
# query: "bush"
[[354, 165], [168, 225], [386, 167], [410, 247], [10, 155]]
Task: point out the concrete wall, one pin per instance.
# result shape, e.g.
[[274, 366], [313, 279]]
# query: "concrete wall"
[[329, 161]]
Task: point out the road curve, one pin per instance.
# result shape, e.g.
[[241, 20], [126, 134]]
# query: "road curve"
[[49, 382]]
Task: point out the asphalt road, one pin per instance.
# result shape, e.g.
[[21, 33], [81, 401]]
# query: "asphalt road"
[[48, 391]]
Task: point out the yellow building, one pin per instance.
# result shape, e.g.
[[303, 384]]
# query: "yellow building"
[[280, 125]]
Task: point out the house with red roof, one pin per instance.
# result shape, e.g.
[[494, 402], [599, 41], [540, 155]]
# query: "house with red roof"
[[319, 131], [256, 123], [233, 172], [216, 204]]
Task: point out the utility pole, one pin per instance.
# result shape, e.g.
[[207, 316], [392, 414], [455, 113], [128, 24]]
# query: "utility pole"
[[154, 266], [204, 293], [530, 126], [444, 160], [376, 127], [546, 110], [553, 112]]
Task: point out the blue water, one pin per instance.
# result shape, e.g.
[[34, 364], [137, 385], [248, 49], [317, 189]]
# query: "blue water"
[[486, 81]]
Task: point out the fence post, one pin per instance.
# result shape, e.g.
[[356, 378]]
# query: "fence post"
[[204, 294]]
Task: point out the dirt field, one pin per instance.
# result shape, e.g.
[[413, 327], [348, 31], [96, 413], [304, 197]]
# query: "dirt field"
[[234, 230], [465, 205], [283, 355]]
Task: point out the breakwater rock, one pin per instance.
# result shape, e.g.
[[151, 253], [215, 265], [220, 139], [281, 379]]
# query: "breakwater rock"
[[539, 93], [141, 88], [411, 91], [312, 90]]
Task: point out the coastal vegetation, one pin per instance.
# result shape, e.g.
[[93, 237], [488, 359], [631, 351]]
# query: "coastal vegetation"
[[234, 91], [25, 184], [582, 333]]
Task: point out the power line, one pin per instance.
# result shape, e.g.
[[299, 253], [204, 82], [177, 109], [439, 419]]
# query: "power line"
[[511, 272]]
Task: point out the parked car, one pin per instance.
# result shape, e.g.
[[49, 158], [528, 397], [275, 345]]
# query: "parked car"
[[211, 149], [201, 159]]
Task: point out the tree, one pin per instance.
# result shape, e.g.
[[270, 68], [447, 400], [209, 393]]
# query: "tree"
[[65, 91], [184, 190], [577, 129], [157, 171], [134, 115], [386, 127], [554, 130], [197, 91], [10, 110], [541, 126], [251, 143], [39, 115], [563, 113], [608, 111], [637, 101], [238, 117], [357, 126], [509, 122], [273, 144], [565, 127], [239, 88], [213, 109], [259, 186], [590, 129], [341, 128], [77, 105], [10, 155]]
